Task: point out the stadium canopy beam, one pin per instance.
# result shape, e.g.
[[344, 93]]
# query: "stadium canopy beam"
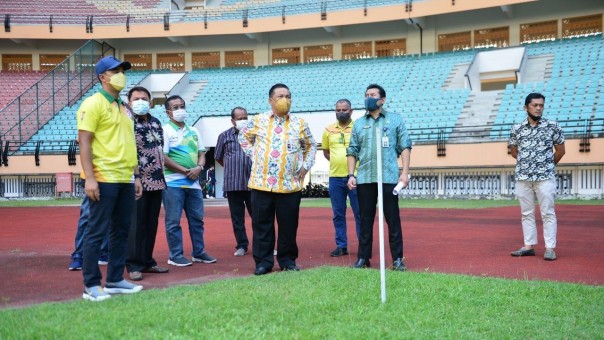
[[259, 37], [335, 30], [27, 42], [185, 41], [507, 9], [416, 21]]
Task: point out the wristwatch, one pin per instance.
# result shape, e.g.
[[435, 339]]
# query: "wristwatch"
[[137, 176], [351, 175]]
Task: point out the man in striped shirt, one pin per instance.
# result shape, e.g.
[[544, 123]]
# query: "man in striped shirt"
[[237, 167], [282, 150]]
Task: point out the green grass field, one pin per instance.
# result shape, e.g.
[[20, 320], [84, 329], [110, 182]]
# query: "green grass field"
[[327, 302]]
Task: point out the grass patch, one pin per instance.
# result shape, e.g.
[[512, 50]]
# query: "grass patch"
[[39, 202], [449, 203], [327, 302]]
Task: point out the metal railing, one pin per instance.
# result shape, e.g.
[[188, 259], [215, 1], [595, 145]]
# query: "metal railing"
[[62, 86]]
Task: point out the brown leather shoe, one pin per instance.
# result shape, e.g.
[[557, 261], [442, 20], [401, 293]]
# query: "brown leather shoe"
[[135, 276], [156, 270]]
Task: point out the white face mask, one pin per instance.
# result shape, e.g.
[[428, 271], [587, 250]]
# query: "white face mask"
[[179, 115], [140, 107], [240, 124]]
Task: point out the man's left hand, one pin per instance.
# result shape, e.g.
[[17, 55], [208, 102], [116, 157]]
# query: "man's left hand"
[[194, 173], [138, 188], [404, 178], [302, 174]]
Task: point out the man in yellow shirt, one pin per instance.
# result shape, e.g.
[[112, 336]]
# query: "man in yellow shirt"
[[336, 138], [282, 150], [109, 162]]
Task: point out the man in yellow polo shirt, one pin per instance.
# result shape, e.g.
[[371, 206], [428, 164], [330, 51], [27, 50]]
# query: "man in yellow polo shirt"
[[336, 138], [109, 162]]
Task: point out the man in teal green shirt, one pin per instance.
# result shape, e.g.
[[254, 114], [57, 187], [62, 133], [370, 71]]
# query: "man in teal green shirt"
[[394, 141]]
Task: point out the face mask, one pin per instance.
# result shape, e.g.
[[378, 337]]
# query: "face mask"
[[140, 107], [118, 81], [240, 124], [283, 105], [535, 118], [179, 115], [371, 103], [343, 117]]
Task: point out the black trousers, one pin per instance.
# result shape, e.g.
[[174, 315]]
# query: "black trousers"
[[286, 207], [143, 230], [368, 197], [238, 202]]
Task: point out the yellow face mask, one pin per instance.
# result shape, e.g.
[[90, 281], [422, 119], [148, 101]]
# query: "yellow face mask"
[[118, 81], [282, 105]]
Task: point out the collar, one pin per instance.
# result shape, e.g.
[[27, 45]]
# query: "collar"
[[527, 123], [110, 98], [140, 118], [337, 125], [382, 113], [176, 127], [277, 117]]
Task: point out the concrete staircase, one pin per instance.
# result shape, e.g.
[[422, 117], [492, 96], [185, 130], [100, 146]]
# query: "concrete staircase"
[[193, 90], [477, 116], [538, 68], [456, 79]]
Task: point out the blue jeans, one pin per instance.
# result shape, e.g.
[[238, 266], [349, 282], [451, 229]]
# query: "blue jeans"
[[191, 200], [82, 224], [113, 213], [338, 190]]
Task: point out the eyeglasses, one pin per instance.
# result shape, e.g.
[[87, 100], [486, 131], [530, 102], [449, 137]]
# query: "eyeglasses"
[[174, 108]]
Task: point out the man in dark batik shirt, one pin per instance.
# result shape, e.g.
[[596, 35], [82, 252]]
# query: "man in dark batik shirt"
[[149, 146], [538, 145]]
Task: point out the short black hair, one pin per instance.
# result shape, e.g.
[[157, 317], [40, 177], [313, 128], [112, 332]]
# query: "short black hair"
[[236, 108], [531, 96], [138, 89], [276, 86], [346, 101], [171, 98], [376, 86]]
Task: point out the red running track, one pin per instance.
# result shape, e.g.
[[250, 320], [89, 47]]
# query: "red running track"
[[35, 245]]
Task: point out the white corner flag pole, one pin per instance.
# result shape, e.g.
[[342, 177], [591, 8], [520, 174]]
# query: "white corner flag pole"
[[378, 145]]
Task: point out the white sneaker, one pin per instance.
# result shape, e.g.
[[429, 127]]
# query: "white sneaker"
[[240, 252], [122, 287], [95, 293]]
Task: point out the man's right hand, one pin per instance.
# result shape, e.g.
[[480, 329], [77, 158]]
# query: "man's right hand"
[[92, 189]]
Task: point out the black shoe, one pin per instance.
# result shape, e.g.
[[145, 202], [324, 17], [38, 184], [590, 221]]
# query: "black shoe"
[[339, 252], [291, 267], [523, 252], [262, 270], [362, 263], [398, 265]]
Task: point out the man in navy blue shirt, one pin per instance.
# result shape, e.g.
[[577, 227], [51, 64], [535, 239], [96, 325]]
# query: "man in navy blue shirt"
[[237, 167]]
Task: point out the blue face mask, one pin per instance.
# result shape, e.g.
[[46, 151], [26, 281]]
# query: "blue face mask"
[[140, 107], [371, 103]]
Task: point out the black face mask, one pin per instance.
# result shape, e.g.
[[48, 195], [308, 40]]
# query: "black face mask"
[[342, 117], [535, 118]]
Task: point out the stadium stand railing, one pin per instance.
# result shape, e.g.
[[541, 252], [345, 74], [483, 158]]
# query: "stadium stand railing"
[[414, 87], [26, 114]]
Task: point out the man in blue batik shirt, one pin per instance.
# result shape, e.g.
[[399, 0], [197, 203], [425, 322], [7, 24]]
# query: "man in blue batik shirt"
[[395, 141]]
